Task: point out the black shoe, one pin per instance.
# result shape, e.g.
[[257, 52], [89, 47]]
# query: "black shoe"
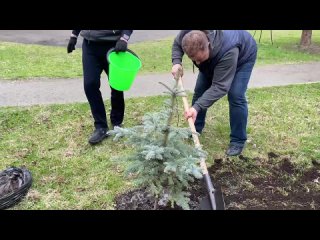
[[98, 135], [234, 150]]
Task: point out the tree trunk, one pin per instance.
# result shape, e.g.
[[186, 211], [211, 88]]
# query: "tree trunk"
[[306, 38]]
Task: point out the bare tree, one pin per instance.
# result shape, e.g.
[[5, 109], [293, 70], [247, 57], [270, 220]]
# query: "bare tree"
[[305, 41]]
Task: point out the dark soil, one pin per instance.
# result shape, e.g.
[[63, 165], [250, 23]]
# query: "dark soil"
[[139, 199], [272, 183]]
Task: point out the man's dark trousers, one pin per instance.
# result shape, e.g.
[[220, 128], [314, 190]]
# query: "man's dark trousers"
[[94, 60]]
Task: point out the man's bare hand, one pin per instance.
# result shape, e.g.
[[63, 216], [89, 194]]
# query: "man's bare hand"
[[191, 113], [177, 71]]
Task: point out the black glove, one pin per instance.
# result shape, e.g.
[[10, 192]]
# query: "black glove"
[[72, 44], [121, 46]]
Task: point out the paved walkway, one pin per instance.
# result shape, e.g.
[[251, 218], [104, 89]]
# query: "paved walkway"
[[48, 91], [61, 37]]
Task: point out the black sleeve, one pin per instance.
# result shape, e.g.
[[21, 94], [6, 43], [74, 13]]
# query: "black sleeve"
[[222, 79], [76, 32], [126, 34]]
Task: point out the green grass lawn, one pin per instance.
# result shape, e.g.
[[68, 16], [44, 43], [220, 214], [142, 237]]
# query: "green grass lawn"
[[23, 61], [51, 141]]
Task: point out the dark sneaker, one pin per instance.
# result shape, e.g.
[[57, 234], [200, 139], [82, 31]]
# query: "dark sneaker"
[[98, 135], [234, 150]]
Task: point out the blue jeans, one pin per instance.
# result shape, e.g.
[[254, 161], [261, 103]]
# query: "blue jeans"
[[238, 106]]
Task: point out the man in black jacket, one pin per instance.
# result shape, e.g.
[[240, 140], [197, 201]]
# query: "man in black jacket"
[[96, 44], [225, 60]]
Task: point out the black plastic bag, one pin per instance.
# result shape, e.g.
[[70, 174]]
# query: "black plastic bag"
[[14, 185]]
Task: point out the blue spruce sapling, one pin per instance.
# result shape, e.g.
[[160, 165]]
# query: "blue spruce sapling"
[[162, 160]]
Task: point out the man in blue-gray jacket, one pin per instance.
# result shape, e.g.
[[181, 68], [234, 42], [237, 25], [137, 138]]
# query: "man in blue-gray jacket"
[[225, 59], [96, 44]]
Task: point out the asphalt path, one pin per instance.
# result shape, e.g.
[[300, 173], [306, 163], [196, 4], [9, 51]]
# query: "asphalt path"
[[50, 91], [61, 37]]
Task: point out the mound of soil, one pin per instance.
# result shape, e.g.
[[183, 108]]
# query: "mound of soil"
[[273, 183]]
